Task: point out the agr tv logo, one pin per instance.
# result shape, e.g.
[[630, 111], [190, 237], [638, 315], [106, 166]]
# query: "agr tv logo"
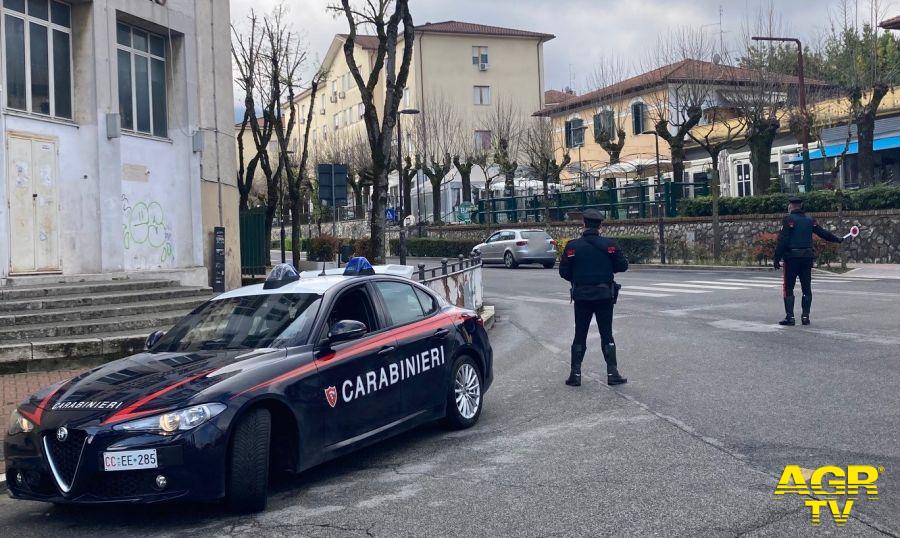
[[830, 483]]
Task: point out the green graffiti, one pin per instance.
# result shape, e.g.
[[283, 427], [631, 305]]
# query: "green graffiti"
[[145, 224]]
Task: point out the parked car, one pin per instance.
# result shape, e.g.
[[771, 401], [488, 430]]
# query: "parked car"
[[276, 376], [515, 247]]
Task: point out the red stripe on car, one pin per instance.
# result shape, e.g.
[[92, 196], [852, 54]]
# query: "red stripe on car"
[[39, 410], [130, 411]]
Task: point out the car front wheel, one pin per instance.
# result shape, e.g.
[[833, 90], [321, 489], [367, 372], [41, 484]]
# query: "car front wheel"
[[248, 472], [464, 399], [549, 265], [510, 261]]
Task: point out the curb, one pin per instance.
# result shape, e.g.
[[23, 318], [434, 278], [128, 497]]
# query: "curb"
[[680, 267], [487, 316]]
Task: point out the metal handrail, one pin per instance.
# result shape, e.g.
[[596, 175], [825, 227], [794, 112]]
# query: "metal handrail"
[[446, 268]]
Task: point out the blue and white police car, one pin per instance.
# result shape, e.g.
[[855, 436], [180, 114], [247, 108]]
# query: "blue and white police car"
[[273, 377]]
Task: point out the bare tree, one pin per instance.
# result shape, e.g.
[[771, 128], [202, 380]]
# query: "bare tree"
[[437, 129], [541, 145], [688, 83], [505, 124], [865, 65], [610, 120], [383, 18], [469, 151]]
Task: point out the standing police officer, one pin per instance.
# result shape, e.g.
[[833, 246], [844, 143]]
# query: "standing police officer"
[[795, 247], [589, 263]]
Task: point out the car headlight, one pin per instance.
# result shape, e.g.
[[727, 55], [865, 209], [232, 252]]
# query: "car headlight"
[[18, 423], [174, 421]]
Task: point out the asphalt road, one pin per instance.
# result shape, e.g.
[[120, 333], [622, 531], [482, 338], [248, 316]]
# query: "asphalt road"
[[719, 399]]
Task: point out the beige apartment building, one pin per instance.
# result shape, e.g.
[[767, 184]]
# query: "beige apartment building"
[[470, 67]]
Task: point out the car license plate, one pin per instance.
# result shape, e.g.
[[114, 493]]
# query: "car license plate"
[[130, 459]]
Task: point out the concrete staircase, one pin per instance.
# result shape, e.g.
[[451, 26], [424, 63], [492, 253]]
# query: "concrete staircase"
[[88, 319]]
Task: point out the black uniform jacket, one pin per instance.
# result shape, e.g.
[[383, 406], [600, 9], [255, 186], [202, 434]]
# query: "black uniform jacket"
[[796, 237], [589, 264]]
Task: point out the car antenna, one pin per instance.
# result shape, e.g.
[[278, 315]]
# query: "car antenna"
[[323, 268]]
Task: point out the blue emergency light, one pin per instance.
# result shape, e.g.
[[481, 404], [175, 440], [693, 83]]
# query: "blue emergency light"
[[283, 273], [359, 266]]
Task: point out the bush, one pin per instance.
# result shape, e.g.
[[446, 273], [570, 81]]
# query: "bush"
[[322, 248], [637, 248], [764, 249], [427, 247], [872, 198]]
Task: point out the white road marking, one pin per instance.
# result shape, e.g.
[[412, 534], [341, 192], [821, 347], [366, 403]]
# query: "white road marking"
[[736, 283], [545, 300], [643, 294], [745, 326], [707, 287], [673, 290]]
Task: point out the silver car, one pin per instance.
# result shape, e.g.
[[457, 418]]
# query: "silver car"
[[514, 247]]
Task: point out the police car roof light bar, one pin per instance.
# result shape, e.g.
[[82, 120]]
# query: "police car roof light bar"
[[359, 266], [283, 273]]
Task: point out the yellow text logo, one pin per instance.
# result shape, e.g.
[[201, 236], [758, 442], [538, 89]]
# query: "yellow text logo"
[[836, 488]]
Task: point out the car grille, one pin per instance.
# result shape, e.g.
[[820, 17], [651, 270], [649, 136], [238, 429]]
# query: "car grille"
[[124, 484], [64, 456]]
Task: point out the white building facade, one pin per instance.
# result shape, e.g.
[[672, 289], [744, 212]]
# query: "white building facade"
[[117, 142]]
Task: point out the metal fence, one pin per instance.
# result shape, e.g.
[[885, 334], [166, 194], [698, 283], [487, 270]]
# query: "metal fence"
[[637, 200], [254, 243], [458, 281]]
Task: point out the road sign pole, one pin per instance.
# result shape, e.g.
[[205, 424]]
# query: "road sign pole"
[[333, 207]]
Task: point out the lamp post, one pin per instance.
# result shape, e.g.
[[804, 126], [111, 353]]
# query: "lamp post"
[[807, 173], [660, 203], [281, 203], [400, 181]]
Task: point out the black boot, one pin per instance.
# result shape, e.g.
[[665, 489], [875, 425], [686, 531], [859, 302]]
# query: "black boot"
[[575, 375], [805, 304], [612, 370], [789, 310]]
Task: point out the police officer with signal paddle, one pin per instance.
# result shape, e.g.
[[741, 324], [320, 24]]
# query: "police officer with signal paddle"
[[795, 248], [589, 264]]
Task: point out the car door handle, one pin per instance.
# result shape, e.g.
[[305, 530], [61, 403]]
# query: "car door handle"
[[386, 349], [440, 333]]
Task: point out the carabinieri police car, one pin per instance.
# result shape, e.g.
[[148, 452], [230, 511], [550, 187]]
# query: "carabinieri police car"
[[273, 377]]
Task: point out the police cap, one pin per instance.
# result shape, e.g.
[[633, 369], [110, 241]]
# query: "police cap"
[[795, 200], [592, 215]]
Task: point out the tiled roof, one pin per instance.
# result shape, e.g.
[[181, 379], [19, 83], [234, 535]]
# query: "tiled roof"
[[368, 42], [891, 24], [456, 27], [683, 71], [552, 97]]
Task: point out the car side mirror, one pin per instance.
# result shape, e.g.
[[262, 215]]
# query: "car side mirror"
[[154, 337], [348, 329]]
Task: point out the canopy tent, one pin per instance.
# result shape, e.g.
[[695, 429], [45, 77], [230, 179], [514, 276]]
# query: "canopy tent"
[[835, 150]]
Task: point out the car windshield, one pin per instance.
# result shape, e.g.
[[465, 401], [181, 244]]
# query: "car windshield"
[[535, 235], [249, 322]]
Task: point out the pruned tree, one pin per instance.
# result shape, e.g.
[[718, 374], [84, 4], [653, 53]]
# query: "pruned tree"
[[469, 151], [437, 129], [541, 145], [865, 66], [390, 21], [408, 175], [505, 124], [687, 87], [611, 116]]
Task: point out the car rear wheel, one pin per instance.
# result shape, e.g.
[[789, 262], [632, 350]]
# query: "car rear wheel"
[[549, 265], [464, 398], [248, 463], [510, 261]]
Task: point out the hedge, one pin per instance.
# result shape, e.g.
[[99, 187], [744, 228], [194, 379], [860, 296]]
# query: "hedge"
[[428, 247], [764, 244], [871, 198], [637, 248]]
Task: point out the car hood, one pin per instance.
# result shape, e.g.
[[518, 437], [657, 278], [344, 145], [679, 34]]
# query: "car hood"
[[140, 385]]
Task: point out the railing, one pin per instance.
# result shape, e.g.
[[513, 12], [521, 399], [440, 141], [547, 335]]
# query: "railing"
[[446, 268], [459, 283], [639, 200]]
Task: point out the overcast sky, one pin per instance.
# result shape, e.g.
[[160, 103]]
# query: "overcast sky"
[[585, 29]]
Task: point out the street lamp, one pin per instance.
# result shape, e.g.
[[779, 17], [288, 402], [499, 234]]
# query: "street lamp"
[[400, 182], [807, 173], [659, 209]]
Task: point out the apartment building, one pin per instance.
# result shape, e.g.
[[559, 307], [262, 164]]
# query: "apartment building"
[[117, 138], [470, 67]]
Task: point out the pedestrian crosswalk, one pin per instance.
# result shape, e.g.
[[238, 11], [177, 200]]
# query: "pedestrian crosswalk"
[[694, 285]]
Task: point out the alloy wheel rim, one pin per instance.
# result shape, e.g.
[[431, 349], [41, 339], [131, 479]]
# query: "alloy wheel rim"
[[468, 391], [508, 259]]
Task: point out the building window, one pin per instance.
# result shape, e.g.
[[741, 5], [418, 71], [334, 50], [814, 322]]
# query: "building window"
[[142, 80], [638, 118], [337, 120], [361, 110], [482, 140], [604, 126], [38, 50], [482, 95], [479, 55], [406, 97], [744, 181], [574, 133]]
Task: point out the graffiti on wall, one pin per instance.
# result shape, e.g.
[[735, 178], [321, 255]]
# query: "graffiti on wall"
[[145, 226]]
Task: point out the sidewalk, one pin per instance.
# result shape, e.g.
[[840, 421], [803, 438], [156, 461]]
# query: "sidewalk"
[[16, 387]]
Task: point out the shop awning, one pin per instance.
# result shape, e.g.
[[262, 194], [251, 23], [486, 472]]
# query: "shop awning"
[[835, 150]]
